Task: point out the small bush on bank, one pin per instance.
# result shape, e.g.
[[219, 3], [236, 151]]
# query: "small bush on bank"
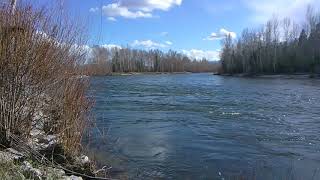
[[41, 86]]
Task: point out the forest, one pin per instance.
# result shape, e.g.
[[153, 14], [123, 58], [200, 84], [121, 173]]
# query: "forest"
[[105, 61], [279, 46]]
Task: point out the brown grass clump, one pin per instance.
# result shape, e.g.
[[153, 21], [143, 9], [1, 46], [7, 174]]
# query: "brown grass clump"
[[40, 82]]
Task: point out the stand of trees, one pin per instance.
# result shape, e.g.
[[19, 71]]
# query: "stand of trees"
[[105, 61], [277, 47]]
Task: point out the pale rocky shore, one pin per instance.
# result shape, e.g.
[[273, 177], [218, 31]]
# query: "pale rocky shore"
[[32, 160]]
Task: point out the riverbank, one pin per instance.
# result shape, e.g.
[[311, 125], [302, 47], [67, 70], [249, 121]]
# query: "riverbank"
[[15, 165], [44, 109], [41, 156], [274, 76]]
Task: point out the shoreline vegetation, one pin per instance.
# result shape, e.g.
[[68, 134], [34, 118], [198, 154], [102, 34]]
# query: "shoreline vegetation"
[[278, 47], [242, 75], [274, 76], [120, 60], [142, 73], [44, 110]]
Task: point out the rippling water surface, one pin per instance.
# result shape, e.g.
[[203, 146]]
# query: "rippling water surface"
[[200, 126]]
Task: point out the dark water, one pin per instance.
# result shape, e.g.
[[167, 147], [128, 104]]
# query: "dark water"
[[200, 126]]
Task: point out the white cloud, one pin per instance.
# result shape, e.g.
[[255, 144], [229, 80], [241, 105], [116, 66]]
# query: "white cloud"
[[263, 10], [150, 5], [222, 34], [148, 44], [111, 46], [133, 9], [200, 54], [227, 33], [115, 10], [169, 42], [112, 19], [94, 9]]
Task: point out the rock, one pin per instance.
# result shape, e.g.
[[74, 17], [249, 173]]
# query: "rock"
[[13, 151], [54, 173], [6, 157], [10, 155], [41, 142], [47, 141], [36, 132], [84, 159], [31, 172], [72, 178], [82, 164]]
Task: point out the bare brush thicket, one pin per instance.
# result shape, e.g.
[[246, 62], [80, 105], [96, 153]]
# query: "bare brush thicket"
[[40, 83]]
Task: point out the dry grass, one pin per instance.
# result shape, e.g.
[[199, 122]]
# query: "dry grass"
[[10, 171], [40, 82]]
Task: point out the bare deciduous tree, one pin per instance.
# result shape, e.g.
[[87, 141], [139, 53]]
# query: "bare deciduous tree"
[[273, 49]]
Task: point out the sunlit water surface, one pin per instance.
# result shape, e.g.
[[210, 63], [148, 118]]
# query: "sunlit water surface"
[[200, 126]]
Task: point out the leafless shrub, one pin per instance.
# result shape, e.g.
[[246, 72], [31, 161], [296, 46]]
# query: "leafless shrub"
[[40, 83]]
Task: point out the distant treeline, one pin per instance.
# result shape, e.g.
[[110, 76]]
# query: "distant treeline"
[[105, 61], [279, 46]]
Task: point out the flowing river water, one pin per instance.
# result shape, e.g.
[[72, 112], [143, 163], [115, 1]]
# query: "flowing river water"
[[200, 126]]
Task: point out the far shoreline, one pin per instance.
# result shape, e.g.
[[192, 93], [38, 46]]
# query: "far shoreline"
[[148, 73], [239, 75], [274, 76]]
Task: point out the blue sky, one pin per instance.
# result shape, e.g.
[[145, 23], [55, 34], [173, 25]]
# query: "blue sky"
[[194, 27]]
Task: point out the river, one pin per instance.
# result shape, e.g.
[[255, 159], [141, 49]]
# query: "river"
[[201, 126]]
